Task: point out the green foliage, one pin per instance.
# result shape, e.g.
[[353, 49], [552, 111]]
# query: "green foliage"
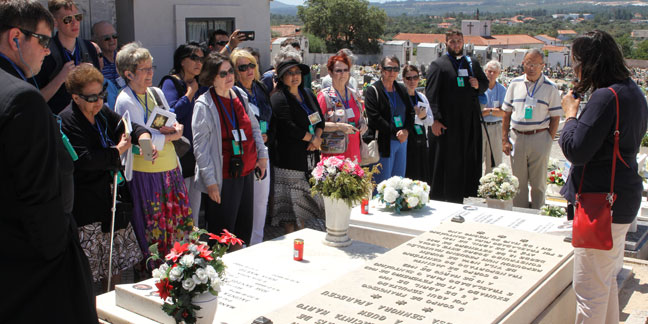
[[625, 43], [641, 52], [315, 44], [553, 211], [276, 20], [644, 140], [344, 23]]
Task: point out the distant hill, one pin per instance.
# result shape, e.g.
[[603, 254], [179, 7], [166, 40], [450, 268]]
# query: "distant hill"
[[280, 8], [438, 7]]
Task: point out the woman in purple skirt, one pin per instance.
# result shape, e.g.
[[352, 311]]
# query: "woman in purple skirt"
[[161, 210]]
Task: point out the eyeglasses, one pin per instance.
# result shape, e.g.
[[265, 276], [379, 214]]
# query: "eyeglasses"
[[224, 74], [68, 19], [196, 58], [109, 37], [391, 68], [95, 97], [293, 73], [146, 70], [245, 67], [412, 78], [533, 65], [43, 40], [221, 43], [340, 71]]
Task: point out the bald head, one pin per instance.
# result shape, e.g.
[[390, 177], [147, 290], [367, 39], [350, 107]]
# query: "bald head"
[[104, 34]]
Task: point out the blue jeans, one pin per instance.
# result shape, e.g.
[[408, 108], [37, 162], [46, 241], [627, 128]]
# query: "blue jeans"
[[395, 164]]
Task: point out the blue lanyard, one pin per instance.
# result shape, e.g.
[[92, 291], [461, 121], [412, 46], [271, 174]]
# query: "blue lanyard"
[[460, 64], [231, 118], [534, 87], [22, 75], [303, 104], [252, 96], [345, 101], [77, 53], [392, 100], [105, 140], [144, 105]]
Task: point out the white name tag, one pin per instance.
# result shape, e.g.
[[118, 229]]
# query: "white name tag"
[[463, 72], [349, 113]]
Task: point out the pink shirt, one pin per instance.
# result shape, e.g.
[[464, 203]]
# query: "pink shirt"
[[353, 148]]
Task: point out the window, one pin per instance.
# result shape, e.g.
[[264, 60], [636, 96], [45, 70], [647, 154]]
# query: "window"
[[198, 29]]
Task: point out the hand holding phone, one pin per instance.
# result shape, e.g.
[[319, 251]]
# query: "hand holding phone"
[[146, 149], [249, 35]]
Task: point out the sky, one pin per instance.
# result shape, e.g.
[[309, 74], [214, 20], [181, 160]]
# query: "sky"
[[299, 2]]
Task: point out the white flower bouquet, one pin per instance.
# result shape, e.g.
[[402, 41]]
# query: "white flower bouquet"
[[403, 193], [499, 184], [553, 211], [191, 269]]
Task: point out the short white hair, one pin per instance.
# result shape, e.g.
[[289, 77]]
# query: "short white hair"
[[287, 53], [129, 56], [495, 64]]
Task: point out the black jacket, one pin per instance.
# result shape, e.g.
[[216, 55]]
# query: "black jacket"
[[40, 239], [290, 124], [380, 118], [92, 177]]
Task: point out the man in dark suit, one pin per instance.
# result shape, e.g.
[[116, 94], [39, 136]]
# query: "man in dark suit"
[[47, 277]]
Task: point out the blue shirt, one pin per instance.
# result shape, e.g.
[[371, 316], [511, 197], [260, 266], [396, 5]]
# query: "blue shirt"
[[109, 70], [496, 94], [397, 108]]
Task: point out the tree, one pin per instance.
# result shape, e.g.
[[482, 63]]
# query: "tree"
[[626, 45], [352, 24], [641, 52]]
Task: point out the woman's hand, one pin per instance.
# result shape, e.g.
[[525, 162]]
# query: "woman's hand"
[[421, 112], [570, 104], [214, 193], [172, 133], [262, 163], [346, 128], [402, 135], [315, 144], [124, 144]]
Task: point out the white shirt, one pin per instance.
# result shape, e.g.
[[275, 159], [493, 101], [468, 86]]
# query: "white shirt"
[[548, 103]]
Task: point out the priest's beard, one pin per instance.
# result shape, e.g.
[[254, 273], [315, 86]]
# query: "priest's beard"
[[455, 54]]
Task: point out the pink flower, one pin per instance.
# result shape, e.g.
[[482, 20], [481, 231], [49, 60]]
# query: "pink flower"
[[318, 172], [335, 161], [359, 172]]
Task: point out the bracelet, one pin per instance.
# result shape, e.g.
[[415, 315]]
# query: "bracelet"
[[570, 118], [228, 48]]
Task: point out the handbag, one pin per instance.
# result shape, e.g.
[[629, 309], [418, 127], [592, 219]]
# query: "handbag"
[[592, 226], [334, 142], [369, 152]]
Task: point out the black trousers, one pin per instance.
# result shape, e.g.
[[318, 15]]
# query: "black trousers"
[[235, 212]]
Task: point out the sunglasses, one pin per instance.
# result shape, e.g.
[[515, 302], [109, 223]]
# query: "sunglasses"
[[293, 73], [68, 19], [391, 68], [412, 78], [196, 58], [224, 74], [95, 97], [43, 40], [222, 43], [340, 70], [245, 67], [109, 37]]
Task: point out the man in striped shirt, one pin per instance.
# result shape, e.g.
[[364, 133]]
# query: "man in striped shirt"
[[533, 109]]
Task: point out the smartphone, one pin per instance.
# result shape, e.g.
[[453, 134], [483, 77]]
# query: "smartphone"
[[146, 149], [249, 35]]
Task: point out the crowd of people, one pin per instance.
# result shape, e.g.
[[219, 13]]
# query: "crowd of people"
[[245, 140]]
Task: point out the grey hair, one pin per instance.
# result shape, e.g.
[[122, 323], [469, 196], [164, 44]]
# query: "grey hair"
[[349, 54], [535, 51], [287, 53], [129, 56], [495, 64]]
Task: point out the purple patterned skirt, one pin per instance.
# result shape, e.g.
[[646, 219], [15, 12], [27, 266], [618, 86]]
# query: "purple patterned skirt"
[[161, 209]]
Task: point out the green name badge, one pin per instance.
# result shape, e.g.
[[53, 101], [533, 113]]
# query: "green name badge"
[[238, 150], [264, 126], [311, 129], [460, 82], [418, 129], [528, 112], [135, 149], [120, 178], [398, 121]]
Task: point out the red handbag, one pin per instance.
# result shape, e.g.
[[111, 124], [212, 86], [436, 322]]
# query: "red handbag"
[[592, 227]]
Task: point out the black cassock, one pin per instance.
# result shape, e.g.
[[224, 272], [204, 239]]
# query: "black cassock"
[[456, 154]]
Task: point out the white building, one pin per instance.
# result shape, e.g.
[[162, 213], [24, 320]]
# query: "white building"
[[428, 52], [402, 49]]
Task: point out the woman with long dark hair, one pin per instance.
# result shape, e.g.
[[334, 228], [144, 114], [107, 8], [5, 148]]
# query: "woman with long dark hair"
[[588, 143]]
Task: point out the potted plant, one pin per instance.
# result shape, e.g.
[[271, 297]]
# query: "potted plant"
[[342, 184], [190, 276], [403, 194], [555, 181], [499, 187], [553, 211]]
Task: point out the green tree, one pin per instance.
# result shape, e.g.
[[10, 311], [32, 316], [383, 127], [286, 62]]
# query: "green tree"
[[641, 52], [625, 43], [315, 44], [352, 24]]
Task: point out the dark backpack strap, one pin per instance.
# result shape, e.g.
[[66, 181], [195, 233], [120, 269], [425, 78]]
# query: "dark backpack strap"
[[180, 88], [156, 97], [55, 54]]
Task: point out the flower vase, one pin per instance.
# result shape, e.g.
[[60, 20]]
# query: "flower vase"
[[499, 203], [553, 190], [338, 214], [208, 304]]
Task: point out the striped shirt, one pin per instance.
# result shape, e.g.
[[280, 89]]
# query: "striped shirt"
[[109, 70], [548, 103]]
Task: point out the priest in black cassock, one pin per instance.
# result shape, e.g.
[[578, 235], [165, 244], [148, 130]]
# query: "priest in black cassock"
[[454, 83], [46, 276]]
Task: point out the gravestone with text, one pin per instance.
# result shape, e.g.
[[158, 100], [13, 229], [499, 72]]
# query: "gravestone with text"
[[456, 273]]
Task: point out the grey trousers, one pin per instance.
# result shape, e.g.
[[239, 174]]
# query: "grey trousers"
[[495, 134], [529, 164]]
